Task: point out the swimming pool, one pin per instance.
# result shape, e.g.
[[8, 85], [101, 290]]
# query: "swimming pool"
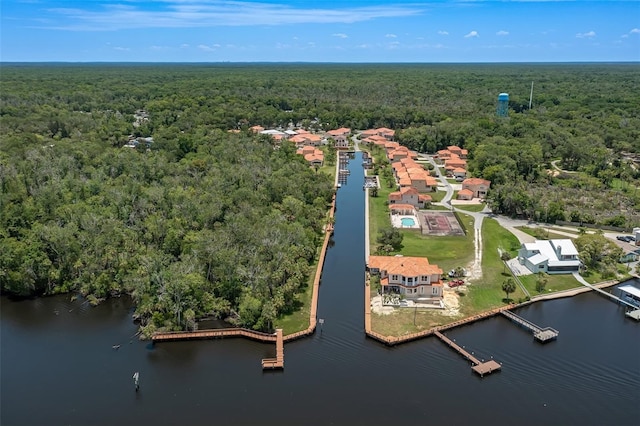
[[407, 221]]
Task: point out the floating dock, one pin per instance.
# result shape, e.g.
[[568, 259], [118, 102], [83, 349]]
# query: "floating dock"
[[479, 367], [540, 334]]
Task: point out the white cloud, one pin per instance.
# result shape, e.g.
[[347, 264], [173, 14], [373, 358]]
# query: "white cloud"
[[635, 31], [206, 48], [442, 32], [502, 33], [589, 34], [391, 36], [340, 35], [86, 16], [122, 49], [184, 46], [472, 34]]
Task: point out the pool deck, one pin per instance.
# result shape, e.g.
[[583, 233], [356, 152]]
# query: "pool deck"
[[396, 221]]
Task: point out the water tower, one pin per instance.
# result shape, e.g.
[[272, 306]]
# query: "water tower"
[[503, 105]]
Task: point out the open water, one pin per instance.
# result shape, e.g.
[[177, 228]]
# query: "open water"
[[58, 367]]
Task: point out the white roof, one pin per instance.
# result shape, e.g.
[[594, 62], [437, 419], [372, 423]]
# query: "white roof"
[[537, 259], [272, 132], [631, 290], [291, 132], [566, 247]]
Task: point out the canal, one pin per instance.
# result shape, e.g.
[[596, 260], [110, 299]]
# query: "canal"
[[58, 366]]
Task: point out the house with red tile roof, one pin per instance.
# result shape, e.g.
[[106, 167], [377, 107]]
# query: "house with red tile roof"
[[477, 186], [302, 139], [459, 173], [388, 134], [342, 131], [455, 163], [312, 155], [413, 277], [340, 136], [411, 196], [455, 150], [256, 129], [465, 194]]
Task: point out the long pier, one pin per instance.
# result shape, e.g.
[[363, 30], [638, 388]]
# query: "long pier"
[[267, 363], [540, 334], [604, 293], [213, 334], [479, 367]]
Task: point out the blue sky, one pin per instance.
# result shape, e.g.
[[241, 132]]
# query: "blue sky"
[[319, 31]]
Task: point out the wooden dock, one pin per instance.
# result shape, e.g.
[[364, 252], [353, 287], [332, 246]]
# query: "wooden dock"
[[213, 334], [276, 363], [540, 334], [267, 363], [479, 367]]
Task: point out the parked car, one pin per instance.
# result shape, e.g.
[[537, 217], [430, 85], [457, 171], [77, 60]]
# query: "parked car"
[[620, 237]]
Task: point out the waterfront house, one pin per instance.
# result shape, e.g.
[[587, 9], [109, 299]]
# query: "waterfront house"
[[550, 256], [413, 277]]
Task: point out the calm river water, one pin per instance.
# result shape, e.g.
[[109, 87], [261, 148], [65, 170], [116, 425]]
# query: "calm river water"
[[58, 366]]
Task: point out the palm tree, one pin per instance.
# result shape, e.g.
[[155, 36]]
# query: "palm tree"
[[505, 257], [508, 286]]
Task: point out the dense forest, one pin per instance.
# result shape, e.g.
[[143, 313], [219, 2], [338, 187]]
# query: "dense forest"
[[203, 222]]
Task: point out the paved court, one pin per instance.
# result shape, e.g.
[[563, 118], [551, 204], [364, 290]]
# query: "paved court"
[[439, 222]]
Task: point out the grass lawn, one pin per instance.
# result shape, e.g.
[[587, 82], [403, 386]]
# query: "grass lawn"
[[542, 233], [378, 215], [326, 168], [554, 283], [401, 321], [470, 207], [486, 293], [437, 195], [568, 230], [595, 277], [448, 252]]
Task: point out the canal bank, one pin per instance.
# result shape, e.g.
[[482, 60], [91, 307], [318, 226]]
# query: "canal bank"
[[58, 354]]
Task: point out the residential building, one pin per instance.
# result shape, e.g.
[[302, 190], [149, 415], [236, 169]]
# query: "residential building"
[[409, 195], [412, 277], [550, 256], [478, 186], [312, 155]]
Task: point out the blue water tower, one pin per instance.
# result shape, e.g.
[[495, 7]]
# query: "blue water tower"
[[503, 105]]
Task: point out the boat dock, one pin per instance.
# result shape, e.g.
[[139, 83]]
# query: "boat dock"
[[540, 334], [213, 334], [267, 363], [276, 363], [479, 367]]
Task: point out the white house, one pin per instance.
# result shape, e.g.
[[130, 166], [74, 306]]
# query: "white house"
[[550, 256]]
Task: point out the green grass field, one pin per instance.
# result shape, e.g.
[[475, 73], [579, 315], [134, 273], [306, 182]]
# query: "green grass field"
[[448, 252], [486, 293], [554, 283], [542, 233]]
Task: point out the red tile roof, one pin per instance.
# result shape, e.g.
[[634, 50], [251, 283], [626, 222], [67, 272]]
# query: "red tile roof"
[[404, 265]]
